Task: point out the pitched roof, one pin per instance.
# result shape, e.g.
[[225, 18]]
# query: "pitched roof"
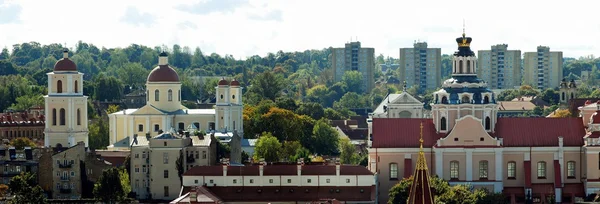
[[276, 170], [515, 105], [575, 103], [540, 132], [403, 132], [287, 193]]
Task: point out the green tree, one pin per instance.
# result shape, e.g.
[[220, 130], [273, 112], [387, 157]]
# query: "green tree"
[[22, 142], [301, 153], [7, 68], [268, 148], [350, 100], [314, 110], [26, 102], [111, 187], [132, 74], [353, 79], [286, 103], [399, 192], [332, 114], [289, 149], [268, 85], [25, 189], [326, 140], [108, 88], [98, 134], [550, 95], [348, 153]]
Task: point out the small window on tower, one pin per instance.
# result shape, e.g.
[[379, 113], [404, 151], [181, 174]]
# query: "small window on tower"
[[233, 96]]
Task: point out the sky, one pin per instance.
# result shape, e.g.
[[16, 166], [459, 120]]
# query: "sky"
[[244, 28]]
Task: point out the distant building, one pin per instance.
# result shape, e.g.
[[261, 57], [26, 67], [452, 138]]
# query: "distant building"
[[499, 67], [135, 99], [388, 67], [543, 69], [353, 57], [15, 162], [278, 184], [15, 125], [401, 105], [421, 66], [514, 108]]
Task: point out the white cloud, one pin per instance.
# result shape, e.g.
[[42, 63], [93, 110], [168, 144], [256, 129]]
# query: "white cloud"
[[245, 28]]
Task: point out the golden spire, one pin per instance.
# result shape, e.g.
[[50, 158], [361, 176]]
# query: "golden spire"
[[421, 164], [420, 190]]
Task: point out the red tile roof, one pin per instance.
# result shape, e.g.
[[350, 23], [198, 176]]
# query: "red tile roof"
[[289, 193], [575, 103], [276, 170], [539, 132], [557, 175], [403, 132]]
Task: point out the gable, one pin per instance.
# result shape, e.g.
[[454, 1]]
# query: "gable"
[[468, 131], [405, 98], [147, 110]]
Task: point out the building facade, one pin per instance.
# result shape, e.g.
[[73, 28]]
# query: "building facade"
[[401, 105], [66, 172], [499, 67], [543, 69], [353, 57], [66, 105], [155, 162], [163, 110], [421, 66], [15, 162], [15, 125], [465, 142]]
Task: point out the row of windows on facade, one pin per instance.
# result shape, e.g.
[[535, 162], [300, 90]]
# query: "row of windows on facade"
[[464, 99], [65, 186], [444, 125], [59, 87], [460, 66], [63, 117], [22, 133], [483, 170], [289, 181], [12, 169], [157, 95], [180, 126], [65, 174], [166, 155]]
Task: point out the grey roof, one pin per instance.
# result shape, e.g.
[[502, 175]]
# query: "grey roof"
[[167, 136], [122, 143]]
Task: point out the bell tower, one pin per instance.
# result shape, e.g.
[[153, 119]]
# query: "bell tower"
[[65, 105]]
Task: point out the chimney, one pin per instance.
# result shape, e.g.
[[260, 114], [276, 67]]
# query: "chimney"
[[337, 167], [193, 195], [560, 141], [65, 53], [163, 59], [261, 168], [224, 170]]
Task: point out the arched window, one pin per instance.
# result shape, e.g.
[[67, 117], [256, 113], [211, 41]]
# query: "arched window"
[[511, 170], [444, 100], [443, 123], [76, 87], [488, 123], [460, 67], [179, 95], [59, 86], [483, 169], [563, 96], [393, 171], [465, 99], [170, 95], [468, 66], [486, 99], [541, 169], [147, 95], [572, 96], [454, 170], [54, 116], [62, 116], [156, 95], [78, 117], [571, 169]]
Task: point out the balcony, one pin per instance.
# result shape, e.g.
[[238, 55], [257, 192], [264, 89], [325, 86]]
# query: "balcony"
[[65, 165], [65, 178], [190, 159], [65, 190]]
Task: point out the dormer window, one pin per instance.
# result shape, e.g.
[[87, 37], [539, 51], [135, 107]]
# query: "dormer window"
[[465, 99], [486, 99], [444, 100]]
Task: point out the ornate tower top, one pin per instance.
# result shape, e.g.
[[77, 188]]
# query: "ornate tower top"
[[420, 190]]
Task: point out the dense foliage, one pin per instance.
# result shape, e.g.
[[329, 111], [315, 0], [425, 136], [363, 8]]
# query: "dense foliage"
[[112, 186]]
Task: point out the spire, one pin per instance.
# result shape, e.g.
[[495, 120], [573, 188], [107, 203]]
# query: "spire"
[[464, 28], [420, 190]]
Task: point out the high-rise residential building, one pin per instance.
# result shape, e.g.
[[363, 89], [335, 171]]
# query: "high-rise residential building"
[[421, 66], [543, 69], [353, 57], [500, 67]]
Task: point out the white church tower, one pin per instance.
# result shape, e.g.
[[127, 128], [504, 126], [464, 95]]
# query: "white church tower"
[[66, 106], [229, 106]]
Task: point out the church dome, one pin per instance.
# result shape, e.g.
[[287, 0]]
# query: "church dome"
[[223, 82], [65, 64], [163, 73], [235, 83]]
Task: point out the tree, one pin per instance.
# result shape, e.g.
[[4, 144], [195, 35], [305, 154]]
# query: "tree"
[[326, 140], [108, 88], [132, 74], [348, 154], [112, 109], [301, 153], [353, 80], [289, 149], [25, 102], [314, 110], [3, 190], [7, 68], [98, 134], [350, 100], [550, 95], [22, 142], [25, 189], [286, 103], [268, 148], [268, 85], [563, 113], [112, 186]]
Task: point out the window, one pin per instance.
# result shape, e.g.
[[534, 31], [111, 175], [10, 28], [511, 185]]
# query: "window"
[[488, 123], [196, 181], [465, 99], [444, 100], [156, 127], [144, 168], [170, 95], [181, 126], [137, 169], [289, 180], [468, 66], [454, 170], [54, 116], [308, 180], [166, 174], [156, 95], [511, 170], [483, 169], [197, 155], [541, 169], [144, 154], [486, 99], [62, 116], [327, 180], [165, 143], [137, 155], [76, 87], [179, 95], [251, 180], [234, 180], [197, 125], [147, 95], [347, 180], [165, 158], [203, 154], [166, 191], [140, 128], [78, 117], [443, 124], [571, 169], [270, 180], [137, 183], [460, 67], [59, 86], [393, 171], [211, 181]]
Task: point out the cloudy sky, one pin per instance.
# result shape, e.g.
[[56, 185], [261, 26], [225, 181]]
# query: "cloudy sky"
[[248, 27]]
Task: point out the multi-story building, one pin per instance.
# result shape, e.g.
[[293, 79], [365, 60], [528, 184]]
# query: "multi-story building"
[[401, 105], [499, 67], [278, 184], [155, 162], [421, 66], [465, 142], [66, 172], [15, 125], [353, 57], [14, 162], [543, 69], [66, 105]]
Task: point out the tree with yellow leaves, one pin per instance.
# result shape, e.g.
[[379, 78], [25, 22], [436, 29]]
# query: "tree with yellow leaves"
[[561, 113]]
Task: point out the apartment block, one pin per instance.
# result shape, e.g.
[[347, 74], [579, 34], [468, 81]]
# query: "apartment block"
[[500, 67], [543, 69], [353, 57], [421, 66]]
